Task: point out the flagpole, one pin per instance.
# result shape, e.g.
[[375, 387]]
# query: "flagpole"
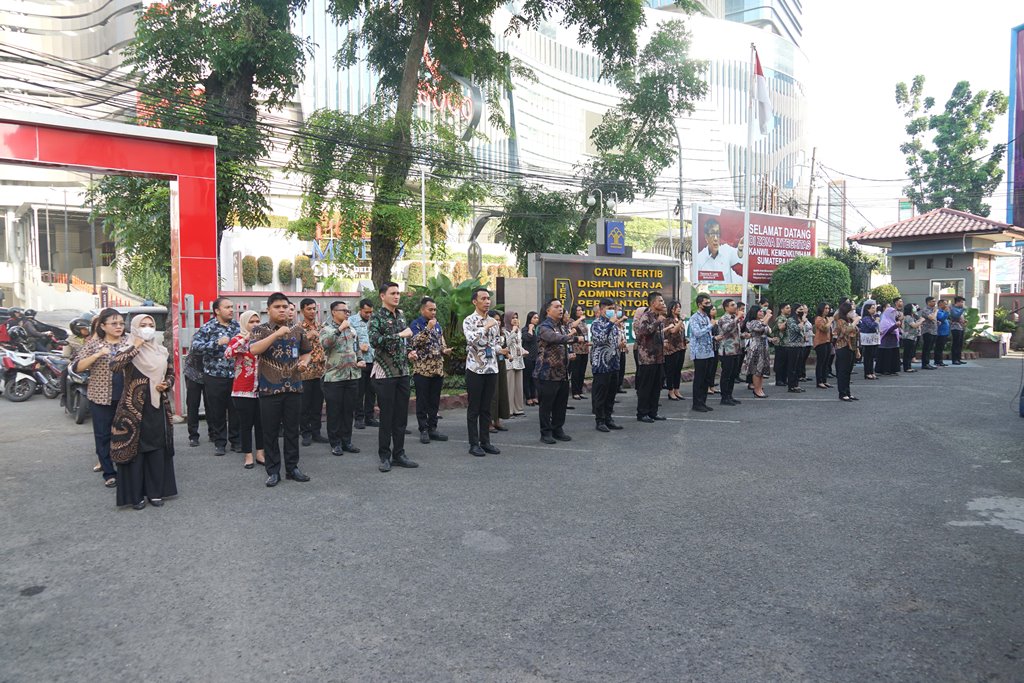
[[746, 204]]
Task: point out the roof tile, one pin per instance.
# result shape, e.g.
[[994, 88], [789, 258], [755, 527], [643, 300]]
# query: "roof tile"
[[935, 223]]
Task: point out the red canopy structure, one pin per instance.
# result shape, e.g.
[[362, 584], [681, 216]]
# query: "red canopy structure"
[[186, 160]]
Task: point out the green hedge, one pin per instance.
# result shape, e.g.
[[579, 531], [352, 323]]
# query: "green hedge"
[[249, 268], [265, 270], [809, 280], [285, 273], [885, 294]]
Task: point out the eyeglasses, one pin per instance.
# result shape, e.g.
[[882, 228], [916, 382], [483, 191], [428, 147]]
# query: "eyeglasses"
[[342, 310]]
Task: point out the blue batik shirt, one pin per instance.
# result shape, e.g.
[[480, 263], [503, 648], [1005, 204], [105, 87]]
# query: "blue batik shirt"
[[699, 331], [604, 346], [205, 342]]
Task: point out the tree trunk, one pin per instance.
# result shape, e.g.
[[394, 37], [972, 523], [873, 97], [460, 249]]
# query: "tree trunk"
[[391, 188]]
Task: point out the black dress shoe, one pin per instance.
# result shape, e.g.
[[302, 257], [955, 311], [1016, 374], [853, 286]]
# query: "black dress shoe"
[[478, 452], [402, 460], [547, 439], [645, 418], [424, 437], [274, 479], [349, 448], [658, 418], [307, 439], [156, 502], [602, 427], [193, 441], [235, 448], [385, 465], [488, 448], [372, 423], [360, 424], [621, 391], [570, 407], [219, 450], [437, 436], [700, 409], [736, 401], [501, 428], [336, 450], [319, 438], [613, 425], [562, 436], [407, 431], [297, 475], [141, 504]]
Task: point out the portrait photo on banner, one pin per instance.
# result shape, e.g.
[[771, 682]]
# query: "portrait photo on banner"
[[719, 248]]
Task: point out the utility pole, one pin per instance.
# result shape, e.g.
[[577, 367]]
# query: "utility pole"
[[810, 189]]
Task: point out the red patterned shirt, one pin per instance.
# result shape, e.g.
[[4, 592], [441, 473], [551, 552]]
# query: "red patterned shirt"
[[246, 368]]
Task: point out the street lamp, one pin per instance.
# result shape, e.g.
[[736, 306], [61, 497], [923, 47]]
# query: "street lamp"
[[611, 204]]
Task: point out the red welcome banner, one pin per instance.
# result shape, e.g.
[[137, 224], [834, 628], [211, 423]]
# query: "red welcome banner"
[[719, 249]]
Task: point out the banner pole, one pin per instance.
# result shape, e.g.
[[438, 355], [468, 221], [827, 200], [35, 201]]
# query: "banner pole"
[[746, 204]]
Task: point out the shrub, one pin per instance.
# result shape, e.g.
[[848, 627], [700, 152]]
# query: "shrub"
[[285, 273], [249, 268], [1002, 322], [265, 270], [414, 276], [809, 280], [885, 294], [304, 272]]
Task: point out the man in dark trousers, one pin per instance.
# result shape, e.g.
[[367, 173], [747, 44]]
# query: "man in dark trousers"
[[389, 336], [211, 340], [283, 348], [730, 344], [650, 345], [367, 399], [341, 377], [552, 373], [483, 343], [605, 342], [702, 351], [312, 392], [428, 369], [929, 329]]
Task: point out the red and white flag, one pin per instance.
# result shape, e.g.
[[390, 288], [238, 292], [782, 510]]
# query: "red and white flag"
[[765, 113]]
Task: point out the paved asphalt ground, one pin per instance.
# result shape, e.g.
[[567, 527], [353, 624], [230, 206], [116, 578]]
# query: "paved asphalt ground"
[[789, 539]]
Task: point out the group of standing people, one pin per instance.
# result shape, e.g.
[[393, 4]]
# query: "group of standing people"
[[265, 384]]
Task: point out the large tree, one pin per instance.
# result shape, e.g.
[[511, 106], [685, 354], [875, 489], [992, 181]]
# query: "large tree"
[[207, 66], [636, 140], [338, 160], [460, 38], [536, 220], [945, 155]]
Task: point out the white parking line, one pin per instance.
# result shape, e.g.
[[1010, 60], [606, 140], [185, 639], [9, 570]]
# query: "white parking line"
[[675, 419]]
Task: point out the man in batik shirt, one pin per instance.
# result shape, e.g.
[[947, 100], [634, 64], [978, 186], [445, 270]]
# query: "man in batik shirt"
[[730, 345], [605, 341], [650, 344], [388, 337], [428, 369], [552, 373]]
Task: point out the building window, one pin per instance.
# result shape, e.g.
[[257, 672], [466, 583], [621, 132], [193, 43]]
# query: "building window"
[[911, 264], [949, 261], [930, 263]]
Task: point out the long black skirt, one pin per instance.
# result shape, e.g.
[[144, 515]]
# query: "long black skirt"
[[150, 475]]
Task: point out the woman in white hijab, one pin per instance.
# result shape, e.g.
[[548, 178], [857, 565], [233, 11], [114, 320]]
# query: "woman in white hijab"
[[142, 443]]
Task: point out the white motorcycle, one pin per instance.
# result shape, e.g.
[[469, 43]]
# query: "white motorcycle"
[[20, 378]]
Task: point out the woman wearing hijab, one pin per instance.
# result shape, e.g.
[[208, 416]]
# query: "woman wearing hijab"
[[889, 342], [515, 364], [530, 346], [244, 390], [756, 362], [142, 444], [869, 338], [675, 347]]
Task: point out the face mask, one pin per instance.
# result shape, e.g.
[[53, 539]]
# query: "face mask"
[[609, 314], [706, 308], [147, 333]]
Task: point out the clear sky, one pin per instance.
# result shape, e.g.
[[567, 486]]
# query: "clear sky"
[[860, 49]]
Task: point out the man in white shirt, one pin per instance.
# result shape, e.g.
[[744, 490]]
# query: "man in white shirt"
[[483, 341], [715, 261]]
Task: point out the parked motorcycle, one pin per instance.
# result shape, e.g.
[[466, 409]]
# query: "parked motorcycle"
[[52, 367], [21, 376], [75, 398]]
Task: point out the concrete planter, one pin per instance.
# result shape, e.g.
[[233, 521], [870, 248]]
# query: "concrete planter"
[[986, 348]]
